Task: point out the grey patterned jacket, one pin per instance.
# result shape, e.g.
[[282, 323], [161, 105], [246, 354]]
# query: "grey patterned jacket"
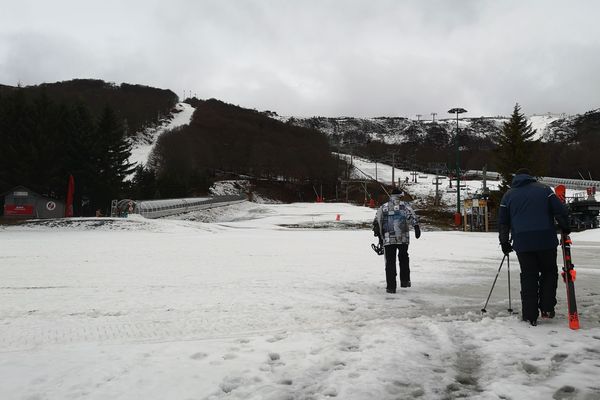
[[392, 221]]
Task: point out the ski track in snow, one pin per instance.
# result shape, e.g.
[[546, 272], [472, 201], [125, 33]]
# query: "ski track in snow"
[[242, 308]]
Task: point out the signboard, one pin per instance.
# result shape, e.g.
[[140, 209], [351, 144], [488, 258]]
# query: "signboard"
[[25, 210]]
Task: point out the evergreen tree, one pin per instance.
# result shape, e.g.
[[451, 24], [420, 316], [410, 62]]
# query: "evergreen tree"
[[515, 147], [113, 150], [144, 183], [81, 159]]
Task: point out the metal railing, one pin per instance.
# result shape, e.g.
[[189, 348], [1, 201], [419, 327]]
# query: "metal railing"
[[575, 184]]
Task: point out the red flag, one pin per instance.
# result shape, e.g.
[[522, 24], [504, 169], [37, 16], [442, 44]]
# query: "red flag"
[[70, 191], [560, 191]]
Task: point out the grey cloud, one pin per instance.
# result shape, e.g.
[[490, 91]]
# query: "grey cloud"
[[328, 57]]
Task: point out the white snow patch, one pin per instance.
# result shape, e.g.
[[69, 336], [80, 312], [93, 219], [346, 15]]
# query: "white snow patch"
[[244, 308], [540, 124]]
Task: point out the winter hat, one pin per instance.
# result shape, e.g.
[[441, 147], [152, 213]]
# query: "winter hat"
[[525, 171]]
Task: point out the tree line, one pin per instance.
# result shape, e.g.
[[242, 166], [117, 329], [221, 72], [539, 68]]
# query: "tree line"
[[44, 141], [137, 106], [228, 140]]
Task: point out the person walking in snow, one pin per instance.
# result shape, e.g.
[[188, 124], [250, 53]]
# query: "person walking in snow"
[[391, 224], [528, 210]]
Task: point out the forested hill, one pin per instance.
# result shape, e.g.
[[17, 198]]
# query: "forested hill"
[[138, 106], [227, 139]]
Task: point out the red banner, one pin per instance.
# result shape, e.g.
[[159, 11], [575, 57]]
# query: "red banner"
[[12, 209]]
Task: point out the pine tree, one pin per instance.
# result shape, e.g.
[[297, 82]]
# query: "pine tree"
[[113, 150], [81, 159], [515, 147]]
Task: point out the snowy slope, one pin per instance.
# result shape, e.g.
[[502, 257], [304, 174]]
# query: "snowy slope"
[[244, 308], [144, 144], [424, 187], [540, 124], [398, 130]]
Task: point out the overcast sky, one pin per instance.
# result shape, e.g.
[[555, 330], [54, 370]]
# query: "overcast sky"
[[328, 58]]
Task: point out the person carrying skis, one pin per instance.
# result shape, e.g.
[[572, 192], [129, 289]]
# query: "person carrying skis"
[[391, 225], [528, 210]]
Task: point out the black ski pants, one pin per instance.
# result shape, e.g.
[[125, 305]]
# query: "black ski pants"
[[390, 264], [539, 279]]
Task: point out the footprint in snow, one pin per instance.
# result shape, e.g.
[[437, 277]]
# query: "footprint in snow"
[[565, 392], [198, 356], [530, 369], [560, 357]]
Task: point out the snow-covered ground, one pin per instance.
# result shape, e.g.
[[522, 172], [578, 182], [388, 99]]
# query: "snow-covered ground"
[[245, 307], [146, 141]]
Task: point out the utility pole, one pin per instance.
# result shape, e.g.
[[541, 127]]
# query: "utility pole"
[[436, 201], [393, 167], [485, 179], [457, 216]]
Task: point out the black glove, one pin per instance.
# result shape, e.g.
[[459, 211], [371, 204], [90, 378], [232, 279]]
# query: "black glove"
[[375, 228], [506, 247], [417, 231], [378, 249]]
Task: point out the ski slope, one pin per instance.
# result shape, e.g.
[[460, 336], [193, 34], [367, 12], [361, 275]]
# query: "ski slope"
[[277, 302], [141, 149], [424, 187]]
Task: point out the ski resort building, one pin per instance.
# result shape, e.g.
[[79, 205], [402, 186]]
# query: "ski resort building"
[[20, 202]]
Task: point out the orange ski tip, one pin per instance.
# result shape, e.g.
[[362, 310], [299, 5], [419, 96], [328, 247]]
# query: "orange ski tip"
[[574, 322]]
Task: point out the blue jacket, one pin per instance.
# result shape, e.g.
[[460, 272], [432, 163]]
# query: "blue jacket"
[[529, 209]]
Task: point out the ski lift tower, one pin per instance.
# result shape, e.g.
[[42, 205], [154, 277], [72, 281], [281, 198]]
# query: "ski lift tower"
[[457, 215]]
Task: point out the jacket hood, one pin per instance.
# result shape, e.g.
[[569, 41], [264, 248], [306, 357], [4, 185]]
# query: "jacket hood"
[[522, 180]]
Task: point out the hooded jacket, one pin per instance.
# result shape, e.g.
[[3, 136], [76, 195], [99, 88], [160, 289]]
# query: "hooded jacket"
[[392, 221], [528, 210]]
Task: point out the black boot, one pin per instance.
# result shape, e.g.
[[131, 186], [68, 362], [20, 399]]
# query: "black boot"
[[404, 283], [548, 314]]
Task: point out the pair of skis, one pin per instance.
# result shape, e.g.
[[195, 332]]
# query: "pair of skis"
[[568, 271]]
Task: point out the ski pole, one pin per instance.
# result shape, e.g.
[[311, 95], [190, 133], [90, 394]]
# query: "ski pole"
[[483, 310], [510, 310]]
